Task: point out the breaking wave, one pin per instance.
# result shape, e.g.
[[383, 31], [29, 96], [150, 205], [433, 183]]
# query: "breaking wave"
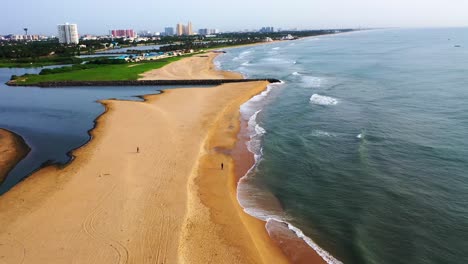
[[250, 111], [323, 100]]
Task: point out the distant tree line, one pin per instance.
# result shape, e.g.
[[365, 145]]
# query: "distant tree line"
[[53, 51]]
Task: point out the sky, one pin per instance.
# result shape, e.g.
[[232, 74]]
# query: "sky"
[[99, 16]]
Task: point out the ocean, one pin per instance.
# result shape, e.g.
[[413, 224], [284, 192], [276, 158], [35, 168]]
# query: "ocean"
[[363, 150]]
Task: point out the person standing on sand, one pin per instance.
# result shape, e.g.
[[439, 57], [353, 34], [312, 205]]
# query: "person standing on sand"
[[138, 149], [222, 166]]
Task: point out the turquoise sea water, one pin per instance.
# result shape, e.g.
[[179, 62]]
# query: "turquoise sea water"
[[365, 145]]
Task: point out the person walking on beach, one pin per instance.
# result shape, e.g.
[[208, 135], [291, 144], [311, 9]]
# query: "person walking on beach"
[[138, 149], [222, 166]]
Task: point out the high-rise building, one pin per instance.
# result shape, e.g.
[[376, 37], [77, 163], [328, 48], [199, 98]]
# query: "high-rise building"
[[68, 33], [208, 31], [179, 29], [184, 29], [267, 30], [169, 31], [189, 29], [123, 33]]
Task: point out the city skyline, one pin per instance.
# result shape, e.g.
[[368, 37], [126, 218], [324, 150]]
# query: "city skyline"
[[299, 14]]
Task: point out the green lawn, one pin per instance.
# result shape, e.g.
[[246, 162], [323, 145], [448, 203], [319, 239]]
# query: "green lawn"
[[114, 72]]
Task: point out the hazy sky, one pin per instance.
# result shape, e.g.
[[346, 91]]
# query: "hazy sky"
[[98, 16]]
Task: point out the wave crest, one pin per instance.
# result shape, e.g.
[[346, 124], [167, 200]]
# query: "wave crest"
[[323, 100]]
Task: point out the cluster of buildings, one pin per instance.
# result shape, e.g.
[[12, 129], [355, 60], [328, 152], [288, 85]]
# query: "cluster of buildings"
[[208, 31], [154, 55], [25, 37], [187, 30], [267, 30], [123, 33], [184, 30], [68, 33]]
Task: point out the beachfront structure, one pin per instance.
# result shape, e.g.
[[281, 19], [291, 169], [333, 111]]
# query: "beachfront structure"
[[169, 31], [123, 33], [68, 33]]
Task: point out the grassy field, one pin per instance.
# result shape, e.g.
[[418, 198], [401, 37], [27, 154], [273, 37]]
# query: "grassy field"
[[114, 72]]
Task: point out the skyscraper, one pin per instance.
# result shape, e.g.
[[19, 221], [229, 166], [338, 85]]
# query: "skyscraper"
[[68, 33], [189, 29], [169, 31], [180, 29], [184, 29]]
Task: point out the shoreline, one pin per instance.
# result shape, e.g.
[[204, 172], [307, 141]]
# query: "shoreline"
[[141, 82], [13, 149], [119, 215], [247, 157], [223, 219]]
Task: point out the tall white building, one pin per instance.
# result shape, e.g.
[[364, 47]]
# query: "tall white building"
[[68, 34]]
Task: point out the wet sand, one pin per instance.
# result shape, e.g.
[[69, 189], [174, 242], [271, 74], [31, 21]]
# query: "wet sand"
[[12, 150], [294, 248]]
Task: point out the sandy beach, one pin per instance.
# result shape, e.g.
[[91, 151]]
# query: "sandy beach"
[[169, 203], [195, 67], [12, 150]]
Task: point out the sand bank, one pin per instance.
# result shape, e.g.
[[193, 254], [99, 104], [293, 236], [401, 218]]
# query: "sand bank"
[[113, 205], [169, 203], [12, 150], [195, 67]]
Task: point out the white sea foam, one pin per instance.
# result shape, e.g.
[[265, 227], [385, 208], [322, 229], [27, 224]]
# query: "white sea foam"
[[320, 133], [322, 253], [296, 74], [276, 48], [312, 81], [323, 100], [360, 136], [242, 55], [276, 60], [250, 111], [256, 133]]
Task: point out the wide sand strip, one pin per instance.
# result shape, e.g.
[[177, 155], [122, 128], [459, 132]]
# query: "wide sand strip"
[[113, 205], [195, 67], [12, 150]]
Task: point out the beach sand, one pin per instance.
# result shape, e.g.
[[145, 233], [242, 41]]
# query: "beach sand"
[[12, 150], [195, 67], [113, 205], [169, 203]]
